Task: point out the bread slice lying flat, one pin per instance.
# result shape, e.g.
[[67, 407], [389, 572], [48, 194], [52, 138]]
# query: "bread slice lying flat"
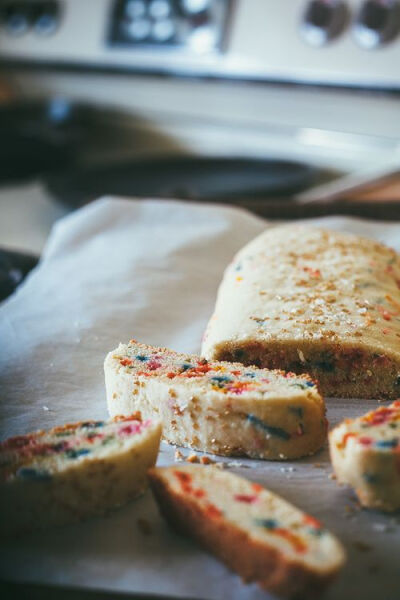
[[315, 301], [365, 454], [217, 407], [256, 533], [74, 471]]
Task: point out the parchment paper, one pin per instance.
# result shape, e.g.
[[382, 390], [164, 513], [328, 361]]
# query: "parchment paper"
[[118, 269]]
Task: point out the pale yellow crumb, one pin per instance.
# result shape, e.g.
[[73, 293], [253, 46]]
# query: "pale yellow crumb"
[[178, 455]]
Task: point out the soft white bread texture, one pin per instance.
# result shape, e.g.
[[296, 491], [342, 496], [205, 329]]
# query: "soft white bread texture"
[[309, 300], [365, 454], [254, 532], [74, 471], [217, 407]]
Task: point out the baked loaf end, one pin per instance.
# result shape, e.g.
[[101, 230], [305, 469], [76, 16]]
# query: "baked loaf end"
[[365, 454], [224, 408], [74, 471], [254, 532], [305, 299]]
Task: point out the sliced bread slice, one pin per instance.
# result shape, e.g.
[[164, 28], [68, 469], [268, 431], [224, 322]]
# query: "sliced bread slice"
[[74, 471], [254, 532], [219, 407], [365, 454]]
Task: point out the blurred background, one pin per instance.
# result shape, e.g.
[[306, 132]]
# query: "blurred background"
[[289, 108]]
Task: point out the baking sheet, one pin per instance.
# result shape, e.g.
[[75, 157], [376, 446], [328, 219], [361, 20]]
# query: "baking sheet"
[[118, 269]]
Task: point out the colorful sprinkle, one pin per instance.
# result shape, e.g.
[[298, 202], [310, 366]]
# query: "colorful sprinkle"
[[33, 474], [186, 366], [388, 443], [247, 499], [257, 487], [91, 424], [78, 452], [365, 441], [221, 379], [213, 512], [267, 523], [238, 382], [269, 429], [295, 540], [125, 362]]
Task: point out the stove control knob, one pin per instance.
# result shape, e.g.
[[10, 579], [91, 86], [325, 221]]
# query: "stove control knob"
[[135, 9], [377, 22], [16, 17], [46, 17], [159, 9], [194, 7], [323, 20]]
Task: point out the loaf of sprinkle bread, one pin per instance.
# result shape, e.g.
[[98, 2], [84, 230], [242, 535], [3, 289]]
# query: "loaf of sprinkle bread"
[[254, 532], [365, 454], [74, 471], [217, 407], [309, 300]]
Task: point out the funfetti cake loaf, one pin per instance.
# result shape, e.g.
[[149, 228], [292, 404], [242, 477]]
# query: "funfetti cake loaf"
[[74, 471], [256, 533], [224, 408], [308, 300], [365, 454]]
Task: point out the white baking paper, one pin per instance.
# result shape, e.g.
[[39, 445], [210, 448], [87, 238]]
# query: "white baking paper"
[[118, 269]]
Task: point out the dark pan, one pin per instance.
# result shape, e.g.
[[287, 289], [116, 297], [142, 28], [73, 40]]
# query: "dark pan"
[[194, 178]]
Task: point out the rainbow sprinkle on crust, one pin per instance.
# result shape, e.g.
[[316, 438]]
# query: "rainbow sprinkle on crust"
[[378, 429], [227, 378]]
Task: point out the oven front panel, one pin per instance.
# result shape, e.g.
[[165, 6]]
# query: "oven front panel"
[[335, 42]]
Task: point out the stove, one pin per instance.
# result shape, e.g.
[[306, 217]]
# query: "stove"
[[335, 42], [313, 83]]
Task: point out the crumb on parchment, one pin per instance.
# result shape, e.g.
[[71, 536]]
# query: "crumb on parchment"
[[192, 458], [178, 455], [205, 460]]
